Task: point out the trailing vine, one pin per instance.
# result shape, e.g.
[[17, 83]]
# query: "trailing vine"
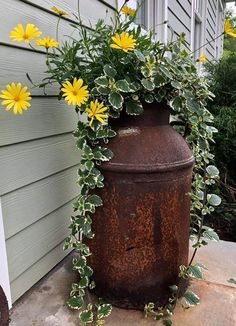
[[119, 67]]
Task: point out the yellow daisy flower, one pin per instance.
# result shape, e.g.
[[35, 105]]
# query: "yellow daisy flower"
[[96, 111], [123, 41], [59, 11], [128, 11], [16, 97], [19, 33], [202, 58], [229, 29], [47, 42], [75, 93]]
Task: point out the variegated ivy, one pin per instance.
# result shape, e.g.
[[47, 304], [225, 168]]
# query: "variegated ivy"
[[152, 72]]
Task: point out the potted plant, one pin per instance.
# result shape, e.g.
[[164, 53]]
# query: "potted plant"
[[136, 166]]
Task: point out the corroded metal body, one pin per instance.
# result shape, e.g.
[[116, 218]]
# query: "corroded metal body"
[[142, 229]]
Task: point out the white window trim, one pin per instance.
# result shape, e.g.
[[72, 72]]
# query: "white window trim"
[[4, 274]]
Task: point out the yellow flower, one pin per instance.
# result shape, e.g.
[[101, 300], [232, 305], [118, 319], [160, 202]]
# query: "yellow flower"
[[16, 97], [229, 29], [75, 93], [59, 11], [30, 32], [123, 41], [128, 11], [96, 110], [202, 58], [47, 42]]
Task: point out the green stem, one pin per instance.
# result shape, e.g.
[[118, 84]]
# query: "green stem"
[[57, 28], [208, 42]]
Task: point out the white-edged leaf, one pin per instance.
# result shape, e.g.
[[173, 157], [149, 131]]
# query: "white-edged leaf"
[[148, 84], [101, 81], [75, 302], [104, 310], [134, 107], [116, 100], [86, 317], [191, 298], [109, 71], [122, 85], [213, 199]]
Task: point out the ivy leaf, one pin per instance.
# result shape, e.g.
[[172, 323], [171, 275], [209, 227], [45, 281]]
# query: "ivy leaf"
[[195, 271], [134, 108], [95, 200], [191, 298], [176, 103], [148, 98], [109, 71], [148, 84], [84, 282], [232, 280], [192, 105], [210, 234], [159, 80], [101, 81], [116, 100], [104, 310], [213, 199], [122, 85], [75, 302], [104, 90], [212, 171], [86, 317], [89, 165]]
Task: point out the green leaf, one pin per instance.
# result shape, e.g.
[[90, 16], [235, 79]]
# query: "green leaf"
[[192, 105], [191, 298], [86, 317], [210, 234], [109, 71], [103, 90], [195, 271], [159, 80], [148, 84], [212, 171], [167, 322], [176, 84], [165, 72], [134, 107], [75, 302], [176, 103], [149, 98], [95, 200], [122, 85], [116, 100], [89, 165], [104, 310], [101, 81], [139, 55], [232, 280], [84, 282], [213, 199]]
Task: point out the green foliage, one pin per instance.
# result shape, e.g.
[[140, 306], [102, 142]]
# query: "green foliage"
[[223, 107], [125, 81]]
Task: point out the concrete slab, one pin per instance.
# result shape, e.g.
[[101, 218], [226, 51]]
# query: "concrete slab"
[[44, 305]]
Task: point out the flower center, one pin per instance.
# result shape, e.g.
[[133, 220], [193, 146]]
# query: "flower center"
[[25, 36], [16, 98], [75, 93]]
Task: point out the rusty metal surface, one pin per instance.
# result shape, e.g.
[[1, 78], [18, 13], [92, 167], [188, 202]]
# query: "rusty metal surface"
[[142, 230], [4, 311]]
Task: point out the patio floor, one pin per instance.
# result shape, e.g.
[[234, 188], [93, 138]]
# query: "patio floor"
[[44, 304]]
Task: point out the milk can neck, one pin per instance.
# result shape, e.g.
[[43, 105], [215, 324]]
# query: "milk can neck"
[[154, 114]]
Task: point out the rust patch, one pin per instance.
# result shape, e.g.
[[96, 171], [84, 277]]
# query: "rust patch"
[[142, 230]]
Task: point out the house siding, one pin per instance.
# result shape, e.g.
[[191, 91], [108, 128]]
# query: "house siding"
[[39, 161]]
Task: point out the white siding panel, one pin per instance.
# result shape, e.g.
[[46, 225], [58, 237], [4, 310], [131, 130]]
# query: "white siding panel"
[[21, 12], [14, 63], [53, 117], [34, 242], [29, 204], [28, 162], [177, 25], [36, 272]]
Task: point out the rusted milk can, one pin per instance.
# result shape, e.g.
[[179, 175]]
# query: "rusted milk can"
[[142, 229]]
